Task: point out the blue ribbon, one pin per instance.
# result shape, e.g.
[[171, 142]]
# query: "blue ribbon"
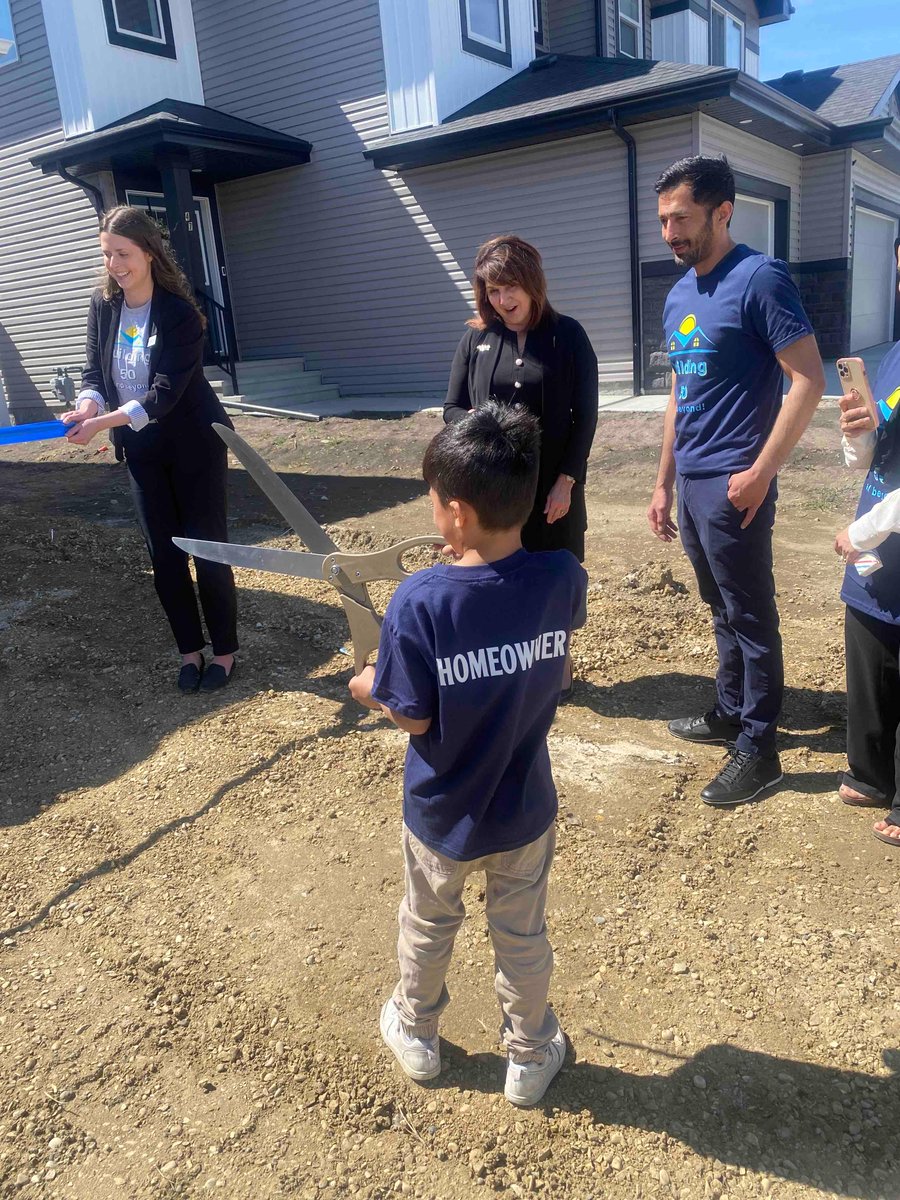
[[37, 431]]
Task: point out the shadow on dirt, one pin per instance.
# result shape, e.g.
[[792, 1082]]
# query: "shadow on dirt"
[[825, 1127], [87, 488], [808, 718]]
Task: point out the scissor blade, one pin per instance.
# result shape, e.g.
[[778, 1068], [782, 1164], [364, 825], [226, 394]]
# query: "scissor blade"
[[303, 523], [256, 558]]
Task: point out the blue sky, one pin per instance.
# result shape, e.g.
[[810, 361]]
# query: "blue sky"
[[826, 33]]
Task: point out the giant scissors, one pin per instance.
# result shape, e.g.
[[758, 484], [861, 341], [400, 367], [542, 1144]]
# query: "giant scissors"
[[348, 573]]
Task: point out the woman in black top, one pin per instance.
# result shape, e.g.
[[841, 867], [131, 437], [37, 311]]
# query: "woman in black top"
[[519, 351], [144, 381]]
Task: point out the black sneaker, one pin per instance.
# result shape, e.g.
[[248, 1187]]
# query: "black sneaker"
[[710, 728], [744, 776]]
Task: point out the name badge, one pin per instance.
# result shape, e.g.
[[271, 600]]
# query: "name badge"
[[482, 348], [151, 341]]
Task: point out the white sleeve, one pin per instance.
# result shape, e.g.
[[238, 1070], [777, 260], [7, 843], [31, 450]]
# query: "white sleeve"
[[137, 414], [90, 394], [859, 451], [878, 523]]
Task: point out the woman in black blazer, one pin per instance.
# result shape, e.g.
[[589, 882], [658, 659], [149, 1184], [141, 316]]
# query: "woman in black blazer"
[[519, 351], [144, 381]]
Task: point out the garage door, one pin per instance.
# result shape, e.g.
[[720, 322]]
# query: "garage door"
[[874, 279]]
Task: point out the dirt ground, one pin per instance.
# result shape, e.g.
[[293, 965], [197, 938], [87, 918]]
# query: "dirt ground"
[[199, 894]]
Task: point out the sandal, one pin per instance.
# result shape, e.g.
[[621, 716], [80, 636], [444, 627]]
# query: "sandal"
[[893, 818], [859, 801]]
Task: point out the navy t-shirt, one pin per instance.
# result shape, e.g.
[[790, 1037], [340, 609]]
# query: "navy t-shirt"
[[480, 651], [723, 331], [878, 594]]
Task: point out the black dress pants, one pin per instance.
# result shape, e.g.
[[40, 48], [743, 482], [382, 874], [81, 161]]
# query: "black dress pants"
[[179, 490], [873, 707]]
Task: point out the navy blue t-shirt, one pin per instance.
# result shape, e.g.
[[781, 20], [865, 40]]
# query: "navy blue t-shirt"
[[878, 594], [723, 331], [480, 651]]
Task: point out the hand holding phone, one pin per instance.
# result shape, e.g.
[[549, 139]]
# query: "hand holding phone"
[[858, 411]]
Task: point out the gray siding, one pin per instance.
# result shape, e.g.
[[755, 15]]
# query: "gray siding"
[[825, 207], [573, 27], [658, 146], [574, 209], [752, 156], [360, 270], [48, 251]]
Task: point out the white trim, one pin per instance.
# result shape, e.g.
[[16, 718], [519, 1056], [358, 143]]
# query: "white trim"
[[885, 99], [636, 25], [476, 37], [146, 37], [729, 16]]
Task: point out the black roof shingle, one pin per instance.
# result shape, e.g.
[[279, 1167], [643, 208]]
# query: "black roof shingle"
[[844, 95]]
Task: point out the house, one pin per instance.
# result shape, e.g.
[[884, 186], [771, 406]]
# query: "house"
[[328, 169]]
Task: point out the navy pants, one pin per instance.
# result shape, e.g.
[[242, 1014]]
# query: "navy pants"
[[734, 574], [179, 490]]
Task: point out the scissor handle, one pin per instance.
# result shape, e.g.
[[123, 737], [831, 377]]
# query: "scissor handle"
[[341, 569], [354, 571]]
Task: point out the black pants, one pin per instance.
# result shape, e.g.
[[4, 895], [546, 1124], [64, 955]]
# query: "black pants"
[[734, 574], [873, 707], [179, 491]]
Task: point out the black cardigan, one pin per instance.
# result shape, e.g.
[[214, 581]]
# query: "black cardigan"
[[570, 391], [179, 397]]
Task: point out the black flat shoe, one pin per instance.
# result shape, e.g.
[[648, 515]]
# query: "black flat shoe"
[[215, 676], [189, 677]]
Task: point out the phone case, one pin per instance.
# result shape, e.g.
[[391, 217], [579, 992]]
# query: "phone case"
[[852, 374]]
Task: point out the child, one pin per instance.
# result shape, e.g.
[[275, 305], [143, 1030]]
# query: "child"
[[470, 665]]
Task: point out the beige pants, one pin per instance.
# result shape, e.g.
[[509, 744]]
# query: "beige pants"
[[431, 913]]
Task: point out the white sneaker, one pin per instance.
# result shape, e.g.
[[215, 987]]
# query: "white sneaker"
[[526, 1082], [419, 1057]]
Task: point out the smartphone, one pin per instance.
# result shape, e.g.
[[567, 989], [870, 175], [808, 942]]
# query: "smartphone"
[[852, 374]]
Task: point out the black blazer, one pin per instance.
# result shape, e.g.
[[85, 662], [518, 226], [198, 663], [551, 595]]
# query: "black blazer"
[[570, 391], [179, 397]]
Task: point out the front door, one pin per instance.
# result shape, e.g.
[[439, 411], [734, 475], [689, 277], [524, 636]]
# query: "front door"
[[219, 348]]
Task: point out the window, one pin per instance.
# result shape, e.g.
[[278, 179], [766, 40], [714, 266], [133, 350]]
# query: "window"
[[538, 11], [726, 39], [753, 223], [8, 51], [140, 25], [630, 39], [485, 29]]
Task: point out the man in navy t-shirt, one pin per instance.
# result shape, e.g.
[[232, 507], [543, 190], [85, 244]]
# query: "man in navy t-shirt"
[[734, 324], [470, 664]]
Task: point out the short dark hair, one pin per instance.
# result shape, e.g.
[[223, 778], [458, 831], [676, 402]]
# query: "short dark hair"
[[710, 177], [489, 459]]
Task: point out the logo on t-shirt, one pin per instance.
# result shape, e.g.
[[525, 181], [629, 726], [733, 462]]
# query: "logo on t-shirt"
[[688, 350], [886, 407], [132, 336]]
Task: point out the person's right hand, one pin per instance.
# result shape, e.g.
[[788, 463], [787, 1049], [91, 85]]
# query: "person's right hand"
[[659, 514], [855, 417], [88, 408]]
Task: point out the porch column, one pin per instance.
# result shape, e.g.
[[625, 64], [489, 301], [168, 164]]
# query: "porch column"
[[175, 172]]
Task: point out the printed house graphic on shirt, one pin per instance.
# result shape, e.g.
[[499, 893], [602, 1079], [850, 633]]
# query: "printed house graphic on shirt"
[[131, 336], [689, 338], [887, 407]]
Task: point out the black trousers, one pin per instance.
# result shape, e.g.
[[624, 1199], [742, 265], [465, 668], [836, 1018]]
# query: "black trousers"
[[179, 490], [873, 707]]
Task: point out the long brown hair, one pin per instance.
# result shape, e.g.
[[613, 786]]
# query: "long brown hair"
[[509, 260], [139, 227]]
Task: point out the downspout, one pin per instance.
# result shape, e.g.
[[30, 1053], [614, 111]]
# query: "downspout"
[[637, 330], [95, 197]]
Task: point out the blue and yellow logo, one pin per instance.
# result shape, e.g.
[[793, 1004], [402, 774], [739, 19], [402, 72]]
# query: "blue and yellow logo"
[[888, 407], [689, 338], [131, 335]]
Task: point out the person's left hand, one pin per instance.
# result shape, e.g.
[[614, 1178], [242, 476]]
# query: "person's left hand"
[[558, 500], [361, 687], [81, 432], [845, 548], [746, 491]]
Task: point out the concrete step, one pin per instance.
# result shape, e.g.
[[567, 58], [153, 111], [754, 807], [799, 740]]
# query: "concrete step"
[[261, 364]]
